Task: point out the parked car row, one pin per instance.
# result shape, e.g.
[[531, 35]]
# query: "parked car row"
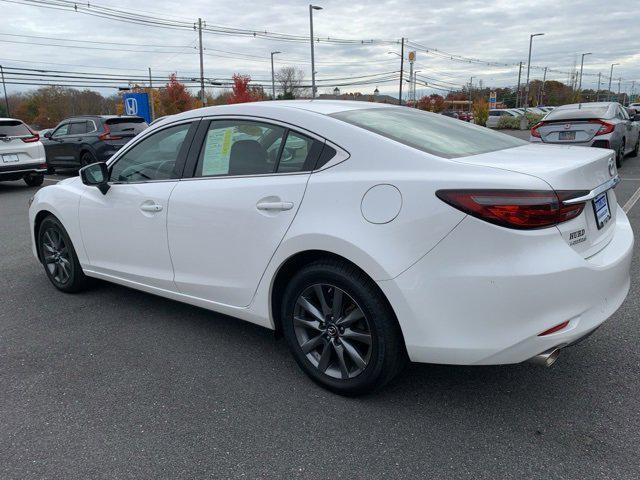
[[75, 142], [459, 114], [495, 114]]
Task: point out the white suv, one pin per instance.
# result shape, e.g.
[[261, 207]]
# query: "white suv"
[[22, 155]]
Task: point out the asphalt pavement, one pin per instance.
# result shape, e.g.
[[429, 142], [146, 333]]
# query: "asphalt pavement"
[[118, 384]]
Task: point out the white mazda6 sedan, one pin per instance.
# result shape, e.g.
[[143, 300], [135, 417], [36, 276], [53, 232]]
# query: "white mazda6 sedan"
[[364, 234]]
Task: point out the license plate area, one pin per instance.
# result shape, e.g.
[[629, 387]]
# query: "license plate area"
[[601, 210], [567, 135], [10, 158]]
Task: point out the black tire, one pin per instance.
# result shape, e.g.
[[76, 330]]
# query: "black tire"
[[34, 179], [620, 155], [636, 149], [75, 280], [386, 354], [87, 158], [51, 169]]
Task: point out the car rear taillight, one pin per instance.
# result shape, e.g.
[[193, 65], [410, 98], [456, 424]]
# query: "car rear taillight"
[[106, 134], [534, 129], [605, 127], [521, 209], [33, 138]]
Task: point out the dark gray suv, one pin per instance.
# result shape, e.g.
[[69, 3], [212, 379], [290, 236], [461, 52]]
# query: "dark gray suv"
[[79, 141]]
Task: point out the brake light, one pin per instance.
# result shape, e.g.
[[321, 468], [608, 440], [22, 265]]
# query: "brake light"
[[33, 138], [605, 127], [534, 129], [520, 209], [106, 134]]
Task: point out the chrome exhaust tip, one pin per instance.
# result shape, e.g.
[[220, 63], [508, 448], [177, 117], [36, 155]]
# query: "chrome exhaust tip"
[[546, 359]]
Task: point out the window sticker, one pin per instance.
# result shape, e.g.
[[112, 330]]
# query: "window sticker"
[[217, 150]]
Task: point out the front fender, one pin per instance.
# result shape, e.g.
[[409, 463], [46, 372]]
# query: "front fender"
[[61, 200]]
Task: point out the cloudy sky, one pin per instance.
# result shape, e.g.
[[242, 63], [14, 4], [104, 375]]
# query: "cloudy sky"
[[495, 32]]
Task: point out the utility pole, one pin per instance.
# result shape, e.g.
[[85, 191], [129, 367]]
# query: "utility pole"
[[544, 80], [610, 78], [618, 97], [401, 71], [633, 91], [470, 99], [410, 96], [202, 97], [273, 78], [4, 86], [598, 90], [153, 107], [518, 93], [313, 62]]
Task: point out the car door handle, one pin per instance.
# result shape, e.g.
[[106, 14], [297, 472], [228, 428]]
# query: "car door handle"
[[151, 207], [275, 206]]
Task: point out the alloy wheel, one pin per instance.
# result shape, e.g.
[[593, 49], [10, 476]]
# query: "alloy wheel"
[[56, 255], [332, 331]]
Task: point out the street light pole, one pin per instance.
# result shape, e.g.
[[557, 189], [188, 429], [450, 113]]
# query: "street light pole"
[[580, 81], [610, 77], [313, 64], [526, 90], [4, 86], [273, 77], [598, 90]]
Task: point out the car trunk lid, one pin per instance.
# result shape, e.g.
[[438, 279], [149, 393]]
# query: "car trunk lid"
[[570, 131], [564, 168]]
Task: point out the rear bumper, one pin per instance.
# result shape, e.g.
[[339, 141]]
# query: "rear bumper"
[[20, 169], [485, 293]]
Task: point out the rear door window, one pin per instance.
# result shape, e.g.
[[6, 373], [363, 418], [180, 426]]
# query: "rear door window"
[[13, 128], [78, 128]]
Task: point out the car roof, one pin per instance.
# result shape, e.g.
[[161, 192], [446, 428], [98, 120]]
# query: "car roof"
[[325, 107]]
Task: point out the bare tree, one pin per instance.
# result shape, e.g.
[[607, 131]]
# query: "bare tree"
[[290, 82]]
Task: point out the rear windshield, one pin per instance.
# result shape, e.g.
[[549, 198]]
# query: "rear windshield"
[[584, 112], [13, 128], [435, 134], [497, 113], [124, 126]]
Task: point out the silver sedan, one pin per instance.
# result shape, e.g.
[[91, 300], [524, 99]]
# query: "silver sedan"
[[598, 124]]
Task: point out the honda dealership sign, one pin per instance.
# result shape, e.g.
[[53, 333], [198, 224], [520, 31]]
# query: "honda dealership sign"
[[136, 104]]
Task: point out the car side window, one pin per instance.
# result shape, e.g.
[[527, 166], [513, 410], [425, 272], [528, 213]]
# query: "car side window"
[[78, 128], [60, 131], [153, 158], [240, 147], [297, 151]]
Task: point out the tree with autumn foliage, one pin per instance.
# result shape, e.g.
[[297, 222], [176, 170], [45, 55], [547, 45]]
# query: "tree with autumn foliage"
[[175, 98], [432, 103], [241, 92]]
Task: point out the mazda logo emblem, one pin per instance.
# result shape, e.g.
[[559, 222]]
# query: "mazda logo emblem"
[[612, 167]]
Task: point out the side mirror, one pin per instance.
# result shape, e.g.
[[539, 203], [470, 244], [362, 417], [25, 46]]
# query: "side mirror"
[[48, 135], [96, 175]]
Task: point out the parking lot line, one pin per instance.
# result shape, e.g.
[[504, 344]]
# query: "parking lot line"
[[632, 201]]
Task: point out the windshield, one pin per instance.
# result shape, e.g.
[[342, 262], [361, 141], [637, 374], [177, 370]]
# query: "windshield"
[[432, 133], [13, 128]]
